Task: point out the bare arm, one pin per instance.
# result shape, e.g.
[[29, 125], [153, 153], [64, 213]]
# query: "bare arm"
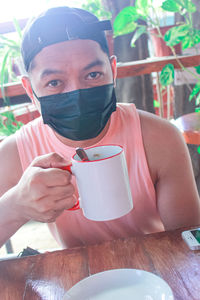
[[10, 173], [171, 170], [41, 193]]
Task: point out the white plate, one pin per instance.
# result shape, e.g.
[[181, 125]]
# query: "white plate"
[[121, 284]]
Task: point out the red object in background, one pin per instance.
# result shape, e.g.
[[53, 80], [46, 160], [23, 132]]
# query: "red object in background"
[[110, 41], [160, 47], [26, 113], [164, 97]]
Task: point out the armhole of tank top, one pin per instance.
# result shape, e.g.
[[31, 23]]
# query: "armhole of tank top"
[[143, 154], [19, 142]]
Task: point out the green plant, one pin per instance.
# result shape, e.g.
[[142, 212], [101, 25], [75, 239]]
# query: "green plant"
[[8, 123], [9, 51], [95, 7], [183, 33]]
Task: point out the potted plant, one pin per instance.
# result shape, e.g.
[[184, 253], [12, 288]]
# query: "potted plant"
[[12, 117], [183, 33], [10, 58]]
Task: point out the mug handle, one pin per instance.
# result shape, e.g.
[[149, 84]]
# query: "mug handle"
[[68, 168]]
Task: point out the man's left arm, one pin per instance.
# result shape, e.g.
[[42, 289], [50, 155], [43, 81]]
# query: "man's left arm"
[[177, 196]]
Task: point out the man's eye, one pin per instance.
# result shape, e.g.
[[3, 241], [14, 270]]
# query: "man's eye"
[[54, 83], [94, 75]]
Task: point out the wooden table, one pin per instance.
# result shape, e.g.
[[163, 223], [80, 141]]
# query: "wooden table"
[[48, 275]]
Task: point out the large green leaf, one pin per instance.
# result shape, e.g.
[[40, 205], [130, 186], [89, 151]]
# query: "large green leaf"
[[195, 91], [137, 34], [187, 42], [128, 28], [188, 5], [197, 69], [170, 5], [196, 36], [167, 75], [176, 34], [191, 39], [197, 102], [125, 21], [142, 7]]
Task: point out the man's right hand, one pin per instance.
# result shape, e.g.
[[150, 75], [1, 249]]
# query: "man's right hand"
[[44, 190]]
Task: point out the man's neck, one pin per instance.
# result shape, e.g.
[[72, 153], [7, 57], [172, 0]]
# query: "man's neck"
[[84, 143]]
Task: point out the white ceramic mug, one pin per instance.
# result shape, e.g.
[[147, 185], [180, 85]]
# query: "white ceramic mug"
[[103, 183]]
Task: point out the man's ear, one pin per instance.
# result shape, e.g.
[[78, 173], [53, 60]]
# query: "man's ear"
[[28, 88], [113, 63]]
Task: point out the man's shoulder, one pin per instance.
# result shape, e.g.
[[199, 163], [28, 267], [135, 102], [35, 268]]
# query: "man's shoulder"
[[163, 143], [10, 162], [153, 127], [8, 145]]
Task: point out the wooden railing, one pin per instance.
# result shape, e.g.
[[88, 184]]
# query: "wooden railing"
[[129, 69], [150, 65]]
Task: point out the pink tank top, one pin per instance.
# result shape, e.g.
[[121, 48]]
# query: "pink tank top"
[[71, 227]]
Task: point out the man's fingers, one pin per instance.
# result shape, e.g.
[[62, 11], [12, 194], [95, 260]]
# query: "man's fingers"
[[47, 205], [53, 177], [50, 160], [60, 192], [65, 203], [45, 189]]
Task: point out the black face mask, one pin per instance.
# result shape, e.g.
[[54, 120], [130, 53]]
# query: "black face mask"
[[80, 114]]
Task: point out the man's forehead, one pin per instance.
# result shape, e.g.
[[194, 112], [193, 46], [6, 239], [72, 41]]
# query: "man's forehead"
[[85, 53], [82, 46]]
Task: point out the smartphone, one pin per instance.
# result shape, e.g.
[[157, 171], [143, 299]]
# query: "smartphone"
[[192, 238]]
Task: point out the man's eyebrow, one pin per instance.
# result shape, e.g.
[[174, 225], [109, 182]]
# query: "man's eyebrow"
[[47, 72], [94, 63]]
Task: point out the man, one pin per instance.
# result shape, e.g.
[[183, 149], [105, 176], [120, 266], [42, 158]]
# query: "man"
[[70, 80]]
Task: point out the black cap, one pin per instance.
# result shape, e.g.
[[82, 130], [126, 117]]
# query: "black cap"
[[61, 24]]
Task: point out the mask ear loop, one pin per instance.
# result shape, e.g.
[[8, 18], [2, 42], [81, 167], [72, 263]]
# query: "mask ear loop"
[[34, 93]]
